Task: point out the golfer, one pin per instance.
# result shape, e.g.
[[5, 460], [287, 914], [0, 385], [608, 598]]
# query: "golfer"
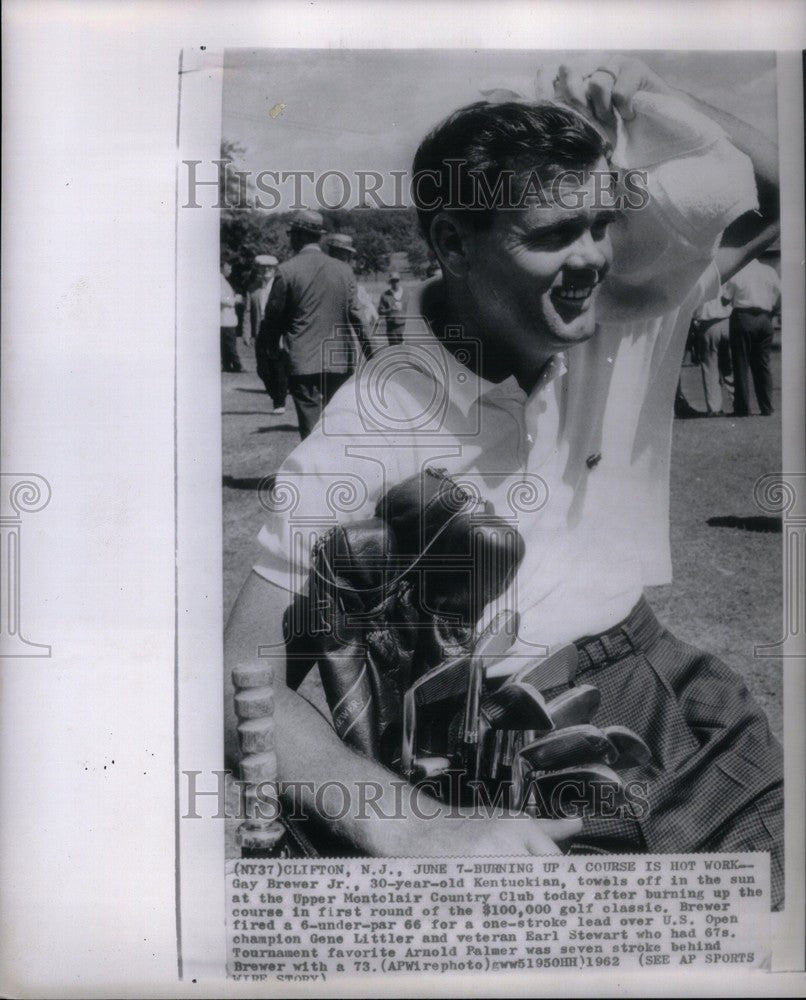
[[548, 353]]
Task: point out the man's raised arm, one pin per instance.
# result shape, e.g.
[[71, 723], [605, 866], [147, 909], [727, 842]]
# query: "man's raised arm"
[[752, 232], [614, 86]]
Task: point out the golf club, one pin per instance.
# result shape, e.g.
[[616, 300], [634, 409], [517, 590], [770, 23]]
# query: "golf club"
[[572, 746], [574, 706], [631, 751]]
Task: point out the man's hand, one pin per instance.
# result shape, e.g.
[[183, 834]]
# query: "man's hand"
[[609, 86], [494, 836], [599, 86]]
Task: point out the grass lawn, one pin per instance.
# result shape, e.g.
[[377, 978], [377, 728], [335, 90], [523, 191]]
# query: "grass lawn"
[[727, 590]]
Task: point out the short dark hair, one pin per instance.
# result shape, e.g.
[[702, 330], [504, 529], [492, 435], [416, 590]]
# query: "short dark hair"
[[482, 142]]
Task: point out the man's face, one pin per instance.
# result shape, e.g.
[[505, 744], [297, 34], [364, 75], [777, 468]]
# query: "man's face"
[[535, 274], [266, 273], [226, 269]]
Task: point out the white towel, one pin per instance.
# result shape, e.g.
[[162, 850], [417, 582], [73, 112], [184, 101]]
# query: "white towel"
[[697, 184]]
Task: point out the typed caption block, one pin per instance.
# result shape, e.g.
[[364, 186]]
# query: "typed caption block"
[[309, 920]]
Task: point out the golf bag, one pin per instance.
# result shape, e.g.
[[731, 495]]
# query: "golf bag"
[[391, 618]]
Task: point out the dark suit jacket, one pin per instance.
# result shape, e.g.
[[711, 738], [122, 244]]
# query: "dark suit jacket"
[[313, 306]]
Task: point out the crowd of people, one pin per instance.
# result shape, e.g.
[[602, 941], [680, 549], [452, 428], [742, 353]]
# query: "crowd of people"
[[308, 318], [731, 340]]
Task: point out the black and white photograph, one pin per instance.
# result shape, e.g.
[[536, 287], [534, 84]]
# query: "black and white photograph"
[[403, 498], [500, 353]]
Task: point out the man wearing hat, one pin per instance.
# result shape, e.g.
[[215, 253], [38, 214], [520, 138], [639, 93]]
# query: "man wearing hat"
[[340, 246], [393, 305], [313, 310], [271, 367]]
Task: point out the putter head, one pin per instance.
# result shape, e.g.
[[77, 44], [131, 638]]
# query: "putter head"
[[545, 673], [516, 705], [631, 751], [569, 793], [575, 706], [569, 747]]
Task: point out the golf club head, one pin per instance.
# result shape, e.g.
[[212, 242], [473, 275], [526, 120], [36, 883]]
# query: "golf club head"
[[571, 746], [497, 637], [446, 681], [570, 792], [631, 751], [443, 683], [493, 641], [575, 706], [516, 705], [545, 673]]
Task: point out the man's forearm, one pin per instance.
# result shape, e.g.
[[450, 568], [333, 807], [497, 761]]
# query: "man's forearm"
[[762, 151], [751, 233], [393, 818], [309, 753]]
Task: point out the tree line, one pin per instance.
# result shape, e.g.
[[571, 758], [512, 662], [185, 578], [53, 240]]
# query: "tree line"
[[377, 232]]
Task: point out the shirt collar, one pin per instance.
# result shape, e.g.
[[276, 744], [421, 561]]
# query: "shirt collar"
[[309, 247], [465, 387]]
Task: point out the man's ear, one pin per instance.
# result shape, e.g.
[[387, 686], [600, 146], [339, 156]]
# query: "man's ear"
[[450, 240]]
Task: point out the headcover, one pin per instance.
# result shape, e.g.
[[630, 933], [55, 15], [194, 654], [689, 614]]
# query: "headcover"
[[391, 597]]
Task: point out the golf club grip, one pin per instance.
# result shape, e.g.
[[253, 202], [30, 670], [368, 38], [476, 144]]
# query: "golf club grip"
[[254, 707]]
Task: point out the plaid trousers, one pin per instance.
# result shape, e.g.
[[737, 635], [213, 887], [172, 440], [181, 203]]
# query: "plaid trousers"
[[715, 783]]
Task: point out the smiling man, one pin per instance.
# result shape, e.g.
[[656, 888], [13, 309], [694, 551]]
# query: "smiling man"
[[526, 246], [540, 370]]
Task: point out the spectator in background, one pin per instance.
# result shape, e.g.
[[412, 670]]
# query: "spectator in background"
[[272, 363], [230, 361], [712, 341], [340, 246], [312, 308], [264, 267], [392, 307], [755, 294]]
